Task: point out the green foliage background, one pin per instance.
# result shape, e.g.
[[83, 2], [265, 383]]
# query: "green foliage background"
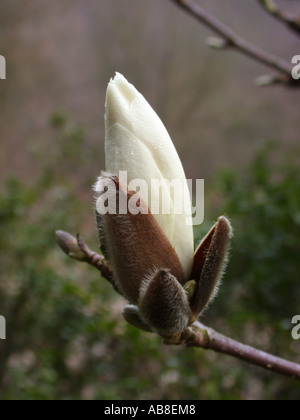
[[66, 338]]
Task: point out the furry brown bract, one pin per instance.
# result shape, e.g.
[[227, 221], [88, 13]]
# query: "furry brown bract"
[[210, 261], [134, 244], [164, 304], [147, 270]]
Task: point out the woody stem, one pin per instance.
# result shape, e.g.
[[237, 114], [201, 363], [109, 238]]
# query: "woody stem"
[[205, 337]]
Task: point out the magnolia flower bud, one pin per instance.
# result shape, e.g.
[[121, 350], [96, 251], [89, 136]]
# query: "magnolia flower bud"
[[151, 255], [138, 142]]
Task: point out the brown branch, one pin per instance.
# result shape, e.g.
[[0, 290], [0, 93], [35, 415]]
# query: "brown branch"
[[94, 259], [291, 21], [77, 249], [201, 336], [197, 335], [231, 40]]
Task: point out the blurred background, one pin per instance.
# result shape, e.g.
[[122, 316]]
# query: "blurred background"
[[66, 338]]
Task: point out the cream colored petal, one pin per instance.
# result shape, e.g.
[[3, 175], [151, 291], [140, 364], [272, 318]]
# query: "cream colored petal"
[[138, 142]]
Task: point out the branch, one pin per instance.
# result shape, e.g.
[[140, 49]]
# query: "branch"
[[231, 40], [291, 21], [77, 249], [197, 335], [201, 336]]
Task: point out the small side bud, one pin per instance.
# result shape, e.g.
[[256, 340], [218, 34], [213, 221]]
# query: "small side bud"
[[270, 80], [164, 304], [131, 314], [265, 80], [217, 43], [270, 6], [190, 289], [69, 244]]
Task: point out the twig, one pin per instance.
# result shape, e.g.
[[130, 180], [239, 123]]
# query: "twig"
[[201, 336], [77, 249], [291, 21], [197, 335], [94, 259], [231, 40]]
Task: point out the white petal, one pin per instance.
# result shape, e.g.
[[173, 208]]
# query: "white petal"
[[138, 142]]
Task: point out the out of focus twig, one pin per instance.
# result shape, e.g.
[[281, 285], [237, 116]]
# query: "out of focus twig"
[[229, 39], [293, 22], [197, 335]]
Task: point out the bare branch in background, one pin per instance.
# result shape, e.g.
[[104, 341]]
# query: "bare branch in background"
[[229, 39], [293, 22], [197, 335]]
